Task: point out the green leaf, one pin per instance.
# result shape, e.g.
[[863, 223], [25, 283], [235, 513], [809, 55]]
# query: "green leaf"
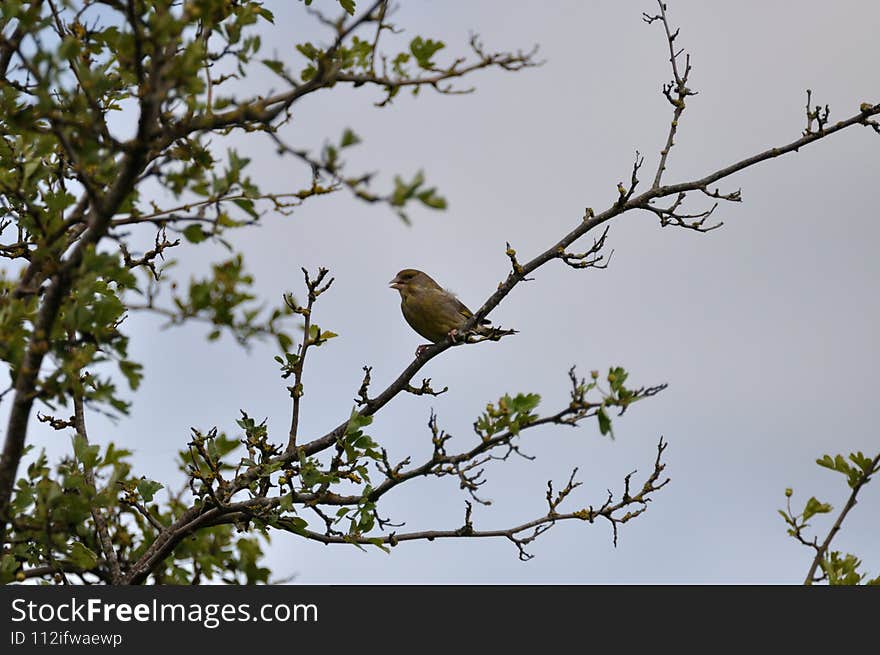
[[274, 65], [349, 138], [604, 421], [308, 50], [83, 557], [247, 205], [132, 372], [429, 198], [285, 343], [525, 402], [69, 48], [268, 15], [348, 5], [814, 507], [86, 453], [424, 49], [148, 488], [356, 421], [296, 524], [860, 460], [194, 233]]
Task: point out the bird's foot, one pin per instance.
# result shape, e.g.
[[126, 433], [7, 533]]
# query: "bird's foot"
[[453, 335]]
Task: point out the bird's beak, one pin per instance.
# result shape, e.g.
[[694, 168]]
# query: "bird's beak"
[[395, 283]]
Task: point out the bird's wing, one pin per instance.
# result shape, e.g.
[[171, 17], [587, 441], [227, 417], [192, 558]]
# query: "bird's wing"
[[461, 308]]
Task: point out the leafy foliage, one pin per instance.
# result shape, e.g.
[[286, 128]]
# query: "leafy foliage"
[[837, 568], [79, 191]]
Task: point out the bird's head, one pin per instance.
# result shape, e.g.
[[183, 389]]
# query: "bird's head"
[[410, 279]]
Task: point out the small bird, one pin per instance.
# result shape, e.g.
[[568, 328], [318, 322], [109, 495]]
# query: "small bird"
[[432, 311]]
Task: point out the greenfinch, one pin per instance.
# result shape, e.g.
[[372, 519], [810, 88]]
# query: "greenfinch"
[[431, 310]]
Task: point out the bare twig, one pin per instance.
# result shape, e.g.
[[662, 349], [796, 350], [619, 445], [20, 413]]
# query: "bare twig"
[[315, 288], [678, 86]]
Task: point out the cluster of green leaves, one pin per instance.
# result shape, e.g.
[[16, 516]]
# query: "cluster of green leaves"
[[86, 336], [358, 447], [358, 450], [225, 299], [290, 361], [617, 396], [843, 569], [857, 473], [415, 189], [92, 314], [54, 524], [403, 194], [87, 90], [423, 50], [53, 518], [838, 568], [357, 57], [207, 460], [192, 169], [510, 413], [350, 466], [57, 141], [14, 330]]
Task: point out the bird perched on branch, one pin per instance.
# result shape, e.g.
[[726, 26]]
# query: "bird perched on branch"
[[434, 312]]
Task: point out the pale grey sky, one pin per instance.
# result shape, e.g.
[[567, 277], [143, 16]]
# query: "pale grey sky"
[[765, 330]]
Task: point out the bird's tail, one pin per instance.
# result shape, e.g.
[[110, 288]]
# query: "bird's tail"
[[487, 332]]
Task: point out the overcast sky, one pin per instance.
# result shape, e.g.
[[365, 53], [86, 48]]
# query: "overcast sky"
[[766, 330]]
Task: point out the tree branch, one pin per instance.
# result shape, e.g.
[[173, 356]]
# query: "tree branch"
[[609, 511], [97, 515], [315, 288]]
